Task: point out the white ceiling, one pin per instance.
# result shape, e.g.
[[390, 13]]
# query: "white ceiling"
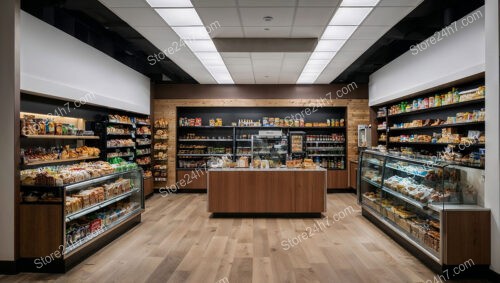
[[244, 19]]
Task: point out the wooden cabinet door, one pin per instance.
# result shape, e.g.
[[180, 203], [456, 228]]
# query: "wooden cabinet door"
[[310, 191], [337, 179]]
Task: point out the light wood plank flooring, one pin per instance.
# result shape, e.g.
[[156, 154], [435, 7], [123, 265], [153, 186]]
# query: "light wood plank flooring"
[[177, 241]]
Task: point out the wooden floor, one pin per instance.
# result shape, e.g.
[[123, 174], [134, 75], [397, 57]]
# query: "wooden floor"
[[177, 241]]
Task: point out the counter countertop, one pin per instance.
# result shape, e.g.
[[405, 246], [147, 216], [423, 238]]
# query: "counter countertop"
[[269, 169]]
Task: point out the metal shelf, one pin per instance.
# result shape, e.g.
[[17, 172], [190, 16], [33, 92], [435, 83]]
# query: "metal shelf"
[[72, 248], [203, 140], [61, 137], [98, 206], [439, 108], [59, 161]]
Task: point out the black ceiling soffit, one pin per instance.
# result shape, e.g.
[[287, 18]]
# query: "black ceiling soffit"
[[94, 24], [430, 16]]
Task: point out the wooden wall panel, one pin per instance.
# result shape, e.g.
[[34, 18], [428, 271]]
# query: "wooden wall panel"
[[358, 112], [41, 230], [468, 236]]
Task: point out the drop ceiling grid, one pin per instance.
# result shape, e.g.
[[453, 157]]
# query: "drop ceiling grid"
[[384, 16], [379, 21]]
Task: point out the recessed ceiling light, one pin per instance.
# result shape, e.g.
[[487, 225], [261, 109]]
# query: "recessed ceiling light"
[[170, 3], [338, 32], [192, 32], [359, 3], [322, 55], [201, 45], [349, 16], [180, 17], [325, 45]]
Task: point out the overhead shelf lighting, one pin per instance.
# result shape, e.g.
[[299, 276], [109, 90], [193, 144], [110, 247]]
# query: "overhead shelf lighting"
[[342, 26], [187, 24]]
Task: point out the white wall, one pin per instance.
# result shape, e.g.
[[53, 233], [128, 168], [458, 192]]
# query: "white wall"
[[55, 64], [9, 106], [456, 56], [492, 193]]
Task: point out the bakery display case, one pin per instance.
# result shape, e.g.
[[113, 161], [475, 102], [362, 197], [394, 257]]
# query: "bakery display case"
[[415, 200], [88, 207], [269, 151]]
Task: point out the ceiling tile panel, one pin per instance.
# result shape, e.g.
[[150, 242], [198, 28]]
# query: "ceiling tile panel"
[[214, 3], [253, 17], [267, 3], [370, 32], [224, 32], [225, 17], [235, 54], [307, 32], [359, 45], [271, 32], [319, 3], [271, 56], [307, 16], [237, 61]]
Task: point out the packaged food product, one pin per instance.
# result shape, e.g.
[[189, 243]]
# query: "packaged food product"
[[431, 101]]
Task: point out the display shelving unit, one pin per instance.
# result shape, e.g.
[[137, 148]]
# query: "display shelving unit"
[[420, 204], [160, 154], [235, 141], [433, 113], [42, 209], [75, 234]]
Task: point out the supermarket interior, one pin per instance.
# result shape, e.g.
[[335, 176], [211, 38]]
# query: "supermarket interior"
[[250, 141]]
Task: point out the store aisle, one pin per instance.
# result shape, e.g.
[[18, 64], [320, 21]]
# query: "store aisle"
[[178, 242]]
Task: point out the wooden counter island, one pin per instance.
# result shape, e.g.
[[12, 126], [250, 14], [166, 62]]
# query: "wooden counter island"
[[247, 190]]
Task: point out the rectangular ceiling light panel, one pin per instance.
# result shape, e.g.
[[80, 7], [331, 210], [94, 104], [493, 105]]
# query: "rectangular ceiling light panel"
[[343, 24], [349, 16], [170, 3], [359, 3], [180, 17], [185, 21]]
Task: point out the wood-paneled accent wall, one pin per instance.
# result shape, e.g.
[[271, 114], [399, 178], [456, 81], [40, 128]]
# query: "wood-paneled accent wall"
[[358, 112]]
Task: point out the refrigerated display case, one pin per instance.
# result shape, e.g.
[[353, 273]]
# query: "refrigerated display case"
[[415, 201], [273, 150], [77, 218], [297, 144]]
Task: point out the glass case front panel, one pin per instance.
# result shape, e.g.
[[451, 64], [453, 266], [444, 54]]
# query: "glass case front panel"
[[370, 179], [99, 206], [269, 152], [408, 189]]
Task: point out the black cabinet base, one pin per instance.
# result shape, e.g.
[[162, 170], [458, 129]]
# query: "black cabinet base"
[[63, 265], [8, 267]]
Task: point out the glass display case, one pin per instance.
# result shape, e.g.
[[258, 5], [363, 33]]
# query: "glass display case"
[[411, 197], [86, 211], [269, 151]]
